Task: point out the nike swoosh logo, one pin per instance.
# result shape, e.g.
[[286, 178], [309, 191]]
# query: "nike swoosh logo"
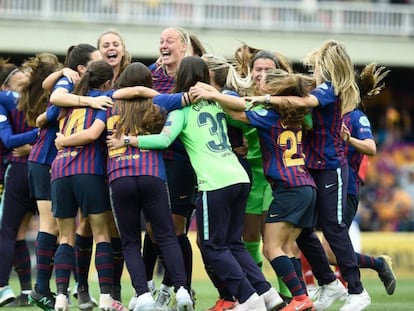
[[273, 215], [183, 196], [297, 308], [327, 186]]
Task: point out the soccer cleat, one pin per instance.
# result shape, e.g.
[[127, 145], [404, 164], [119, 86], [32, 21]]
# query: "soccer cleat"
[[85, 302], [61, 303], [272, 300], [132, 302], [286, 299], [299, 305], [45, 302], [386, 274], [75, 295], [151, 286], [329, 294], [107, 303], [164, 295], [6, 295], [183, 300], [222, 305], [145, 302], [314, 292], [255, 302], [20, 301], [356, 302]]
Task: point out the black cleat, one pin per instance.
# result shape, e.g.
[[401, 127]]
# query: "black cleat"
[[85, 302], [43, 301], [386, 274]]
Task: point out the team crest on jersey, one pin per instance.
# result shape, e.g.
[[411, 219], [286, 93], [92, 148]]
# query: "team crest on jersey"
[[262, 112], [3, 118], [363, 120], [324, 86], [62, 82]]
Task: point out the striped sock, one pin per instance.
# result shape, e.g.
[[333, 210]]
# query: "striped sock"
[[298, 268], [22, 265], [45, 253], [284, 268], [64, 264], [83, 249], [104, 258], [365, 261]]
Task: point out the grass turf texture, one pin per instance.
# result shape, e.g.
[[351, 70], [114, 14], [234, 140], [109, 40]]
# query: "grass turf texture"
[[402, 300]]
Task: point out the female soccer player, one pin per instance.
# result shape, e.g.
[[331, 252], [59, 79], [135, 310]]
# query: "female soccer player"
[[336, 94], [17, 207], [175, 43], [33, 103], [74, 170]]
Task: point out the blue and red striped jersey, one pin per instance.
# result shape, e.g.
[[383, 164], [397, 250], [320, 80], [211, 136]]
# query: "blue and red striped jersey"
[[162, 82], [132, 161], [87, 159], [360, 128], [14, 131], [323, 145], [283, 158]]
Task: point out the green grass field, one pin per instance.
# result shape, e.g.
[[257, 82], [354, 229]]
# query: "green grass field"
[[402, 300]]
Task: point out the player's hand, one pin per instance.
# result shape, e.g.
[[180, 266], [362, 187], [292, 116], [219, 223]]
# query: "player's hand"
[[59, 141], [345, 133], [114, 143], [254, 100], [100, 102], [41, 120], [199, 91], [72, 75], [21, 151]]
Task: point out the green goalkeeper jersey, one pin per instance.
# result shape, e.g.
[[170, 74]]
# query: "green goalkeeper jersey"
[[202, 128]]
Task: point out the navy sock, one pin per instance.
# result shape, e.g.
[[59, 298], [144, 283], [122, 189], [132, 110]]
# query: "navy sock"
[[83, 248], [284, 268], [22, 265], [104, 259], [64, 264], [45, 253]]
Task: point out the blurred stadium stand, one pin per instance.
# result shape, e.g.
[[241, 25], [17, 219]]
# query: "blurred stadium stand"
[[373, 31]]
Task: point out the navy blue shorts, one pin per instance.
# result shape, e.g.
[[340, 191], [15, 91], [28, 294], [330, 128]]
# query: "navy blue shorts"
[[181, 186], [88, 192], [39, 181], [294, 205]]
